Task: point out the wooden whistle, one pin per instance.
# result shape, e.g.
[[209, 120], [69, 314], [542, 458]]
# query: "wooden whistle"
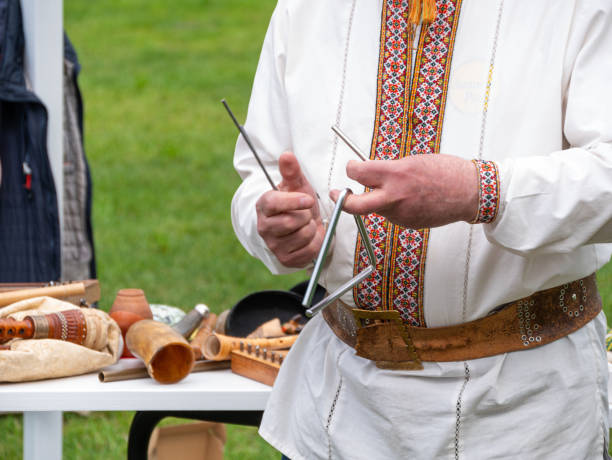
[[68, 325], [219, 347]]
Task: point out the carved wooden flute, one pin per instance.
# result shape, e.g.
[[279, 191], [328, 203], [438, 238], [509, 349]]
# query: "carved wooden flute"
[[219, 347], [68, 325]]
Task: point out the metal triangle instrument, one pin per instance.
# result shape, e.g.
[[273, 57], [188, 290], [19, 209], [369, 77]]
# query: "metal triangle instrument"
[[329, 234]]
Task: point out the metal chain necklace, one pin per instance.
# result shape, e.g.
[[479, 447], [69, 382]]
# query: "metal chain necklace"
[[341, 96], [483, 125]]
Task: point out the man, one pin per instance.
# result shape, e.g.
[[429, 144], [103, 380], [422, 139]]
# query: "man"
[[487, 263]]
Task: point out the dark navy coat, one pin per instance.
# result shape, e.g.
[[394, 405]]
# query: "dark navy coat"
[[30, 248]]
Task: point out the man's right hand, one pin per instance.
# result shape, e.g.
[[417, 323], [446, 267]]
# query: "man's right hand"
[[288, 220]]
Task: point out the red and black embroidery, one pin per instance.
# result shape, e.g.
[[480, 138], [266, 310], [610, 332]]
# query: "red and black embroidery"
[[488, 192], [408, 121]]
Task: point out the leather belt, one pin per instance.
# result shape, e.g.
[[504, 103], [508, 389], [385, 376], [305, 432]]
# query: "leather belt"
[[541, 318]]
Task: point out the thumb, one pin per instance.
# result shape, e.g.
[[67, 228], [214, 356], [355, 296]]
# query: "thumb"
[[293, 179], [364, 203]]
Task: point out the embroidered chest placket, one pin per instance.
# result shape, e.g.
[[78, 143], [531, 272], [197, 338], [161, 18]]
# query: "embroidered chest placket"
[[408, 121]]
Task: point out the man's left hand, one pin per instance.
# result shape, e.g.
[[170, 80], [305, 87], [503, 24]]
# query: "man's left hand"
[[416, 192]]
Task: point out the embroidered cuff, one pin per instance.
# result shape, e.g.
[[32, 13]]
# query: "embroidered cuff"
[[488, 191]]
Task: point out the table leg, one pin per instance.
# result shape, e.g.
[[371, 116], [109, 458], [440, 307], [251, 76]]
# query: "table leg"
[[42, 435]]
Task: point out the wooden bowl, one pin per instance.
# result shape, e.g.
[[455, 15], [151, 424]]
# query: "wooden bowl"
[[134, 301]]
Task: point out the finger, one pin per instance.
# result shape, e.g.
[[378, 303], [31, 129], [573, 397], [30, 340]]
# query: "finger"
[[297, 240], [298, 259], [302, 256], [370, 173], [335, 193], [366, 203], [293, 179], [283, 224], [273, 203]]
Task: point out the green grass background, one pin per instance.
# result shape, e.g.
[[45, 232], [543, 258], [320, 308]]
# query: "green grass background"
[[160, 148]]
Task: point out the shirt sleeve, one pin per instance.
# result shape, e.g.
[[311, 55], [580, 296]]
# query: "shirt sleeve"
[[268, 127], [559, 202]]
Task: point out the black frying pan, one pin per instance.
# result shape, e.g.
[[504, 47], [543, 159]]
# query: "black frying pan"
[[300, 289], [257, 308]]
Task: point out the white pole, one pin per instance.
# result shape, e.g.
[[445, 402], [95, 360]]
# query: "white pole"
[[44, 63], [42, 435]]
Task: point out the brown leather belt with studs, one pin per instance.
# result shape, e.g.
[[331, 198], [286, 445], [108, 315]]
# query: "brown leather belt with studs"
[[541, 318]]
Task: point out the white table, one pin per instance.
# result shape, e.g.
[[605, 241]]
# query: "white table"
[[43, 402]]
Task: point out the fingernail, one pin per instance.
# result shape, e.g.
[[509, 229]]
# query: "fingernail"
[[304, 201]]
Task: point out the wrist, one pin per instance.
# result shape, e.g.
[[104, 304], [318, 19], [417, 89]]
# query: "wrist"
[[488, 192]]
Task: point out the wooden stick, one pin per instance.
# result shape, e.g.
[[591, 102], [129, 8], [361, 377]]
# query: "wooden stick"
[[65, 290], [139, 371], [91, 296]]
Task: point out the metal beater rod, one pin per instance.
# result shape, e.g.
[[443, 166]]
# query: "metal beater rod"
[[349, 142], [249, 143]]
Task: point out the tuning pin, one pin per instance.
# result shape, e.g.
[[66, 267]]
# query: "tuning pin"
[[257, 350], [265, 353], [241, 345], [249, 348]]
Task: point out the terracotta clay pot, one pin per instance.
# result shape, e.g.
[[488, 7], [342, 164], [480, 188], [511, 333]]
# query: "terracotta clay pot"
[[129, 307], [125, 319], [134, 301]]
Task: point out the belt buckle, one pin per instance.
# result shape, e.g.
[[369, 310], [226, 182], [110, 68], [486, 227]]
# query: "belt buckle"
[[383, 338]]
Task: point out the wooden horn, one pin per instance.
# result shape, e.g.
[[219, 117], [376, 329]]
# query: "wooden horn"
[[219, 347], [166, 354]]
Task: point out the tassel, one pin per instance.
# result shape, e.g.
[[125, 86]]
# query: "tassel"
[[414, 14], [429, 11], [422, 10]]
